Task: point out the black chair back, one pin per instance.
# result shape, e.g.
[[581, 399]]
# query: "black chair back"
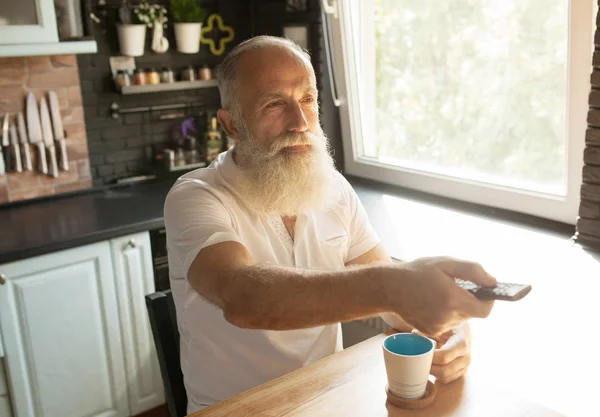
[[163, 321]]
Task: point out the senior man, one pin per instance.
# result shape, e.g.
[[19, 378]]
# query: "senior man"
[[270, 248]]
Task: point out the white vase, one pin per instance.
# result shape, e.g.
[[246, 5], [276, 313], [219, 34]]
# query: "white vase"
[[132, 39], [187, 37]]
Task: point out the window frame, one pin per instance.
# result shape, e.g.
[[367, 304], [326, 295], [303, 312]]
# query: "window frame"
[[345, 48]]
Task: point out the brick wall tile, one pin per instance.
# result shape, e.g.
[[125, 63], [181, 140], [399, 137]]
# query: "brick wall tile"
[[589, 209], [595, 78], [594, 98], [591, 155], [96, 147], [97, 159], [74, 96], [134, 142], [72, 115], [77, 148], [592, 137], [12, 70], [64, 60], [3, 194], [64, 177], [590, 192], [55, 78], [591, 174], [105, 170], [589, 226], [114, 145], [120, 169], [29, 194], [121, 132], [39, 63], [124, 155], [11, 98], [84, 169], [75, 131], [23, 180], [74, 186]]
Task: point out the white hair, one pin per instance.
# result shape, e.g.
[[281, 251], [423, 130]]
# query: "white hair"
[[226, 73]]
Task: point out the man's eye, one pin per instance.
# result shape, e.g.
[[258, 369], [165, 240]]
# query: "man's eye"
[[275, 104], [309, 100]]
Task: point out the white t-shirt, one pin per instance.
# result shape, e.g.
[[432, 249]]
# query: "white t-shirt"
[[203, 208]]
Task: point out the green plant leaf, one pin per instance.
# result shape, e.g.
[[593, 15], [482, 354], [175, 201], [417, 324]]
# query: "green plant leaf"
[[187, 11]]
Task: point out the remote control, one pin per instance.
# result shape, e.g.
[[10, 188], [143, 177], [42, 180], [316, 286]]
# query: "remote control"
[[503, 291]]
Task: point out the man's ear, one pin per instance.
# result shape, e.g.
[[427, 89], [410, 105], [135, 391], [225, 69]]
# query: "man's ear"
[[228, 123]]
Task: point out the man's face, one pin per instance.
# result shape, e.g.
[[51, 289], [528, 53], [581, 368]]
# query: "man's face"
[[279, 145], [278, 96]]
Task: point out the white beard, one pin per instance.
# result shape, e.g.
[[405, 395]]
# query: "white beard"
[[277, 181]]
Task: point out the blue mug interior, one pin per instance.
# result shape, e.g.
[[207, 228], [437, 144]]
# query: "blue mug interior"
[[408, 344]]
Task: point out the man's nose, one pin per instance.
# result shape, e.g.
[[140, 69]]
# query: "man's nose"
[[296, 119]]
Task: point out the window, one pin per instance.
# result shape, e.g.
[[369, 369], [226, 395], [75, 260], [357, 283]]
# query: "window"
[[482, 100]]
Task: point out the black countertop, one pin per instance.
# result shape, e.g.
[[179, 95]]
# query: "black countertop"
[[36, 228], [56, 223]]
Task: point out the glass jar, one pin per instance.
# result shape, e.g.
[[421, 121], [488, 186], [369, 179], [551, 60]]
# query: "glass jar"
[[152, 76], [139, 77], [166, 76], [205, 73], [180, 157], [122, 79], [191, 153], [188, 74]]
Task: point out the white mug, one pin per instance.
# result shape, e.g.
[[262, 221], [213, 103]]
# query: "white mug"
[[408, 359]]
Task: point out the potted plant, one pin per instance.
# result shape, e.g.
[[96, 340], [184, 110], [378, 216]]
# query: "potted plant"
[[132, 30], [187, 16]]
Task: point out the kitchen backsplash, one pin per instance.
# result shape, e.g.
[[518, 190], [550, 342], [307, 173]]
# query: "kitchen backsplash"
[[124, 147], [38, 75]]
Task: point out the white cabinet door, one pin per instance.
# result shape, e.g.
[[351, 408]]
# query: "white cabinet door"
[[5, 410], [132, 260], [62, 341], [27, 21]]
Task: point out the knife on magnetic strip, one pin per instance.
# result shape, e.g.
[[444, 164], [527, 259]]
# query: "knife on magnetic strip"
[[35, 131], [48, 137], [24, 142], [6, 144], [14, 141], [59, 135]]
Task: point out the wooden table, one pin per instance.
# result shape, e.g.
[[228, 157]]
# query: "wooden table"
[[352, 383], [536, 357]]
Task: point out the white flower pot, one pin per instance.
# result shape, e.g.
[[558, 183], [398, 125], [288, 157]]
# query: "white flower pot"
[[187, 37], [132, 39]]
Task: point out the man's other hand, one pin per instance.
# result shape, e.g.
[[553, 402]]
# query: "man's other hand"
[[452, 355]]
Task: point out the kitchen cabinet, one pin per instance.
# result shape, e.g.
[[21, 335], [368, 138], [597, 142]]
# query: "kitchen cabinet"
[[62, 341], [132, 261], [76, 334], [29, 27], [27, 22], [5, 410]]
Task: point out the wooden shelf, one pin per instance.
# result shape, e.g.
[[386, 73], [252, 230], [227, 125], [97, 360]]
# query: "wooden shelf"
[[156, 88], [59, 48]]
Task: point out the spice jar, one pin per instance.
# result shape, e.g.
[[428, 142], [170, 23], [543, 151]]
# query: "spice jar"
[[122, 79], [166, 76], [179, 157], [205, 73], [188, 74], [139, 77], [152, 76]]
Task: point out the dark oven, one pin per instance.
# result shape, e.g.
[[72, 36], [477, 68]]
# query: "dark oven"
[[158, 243]]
